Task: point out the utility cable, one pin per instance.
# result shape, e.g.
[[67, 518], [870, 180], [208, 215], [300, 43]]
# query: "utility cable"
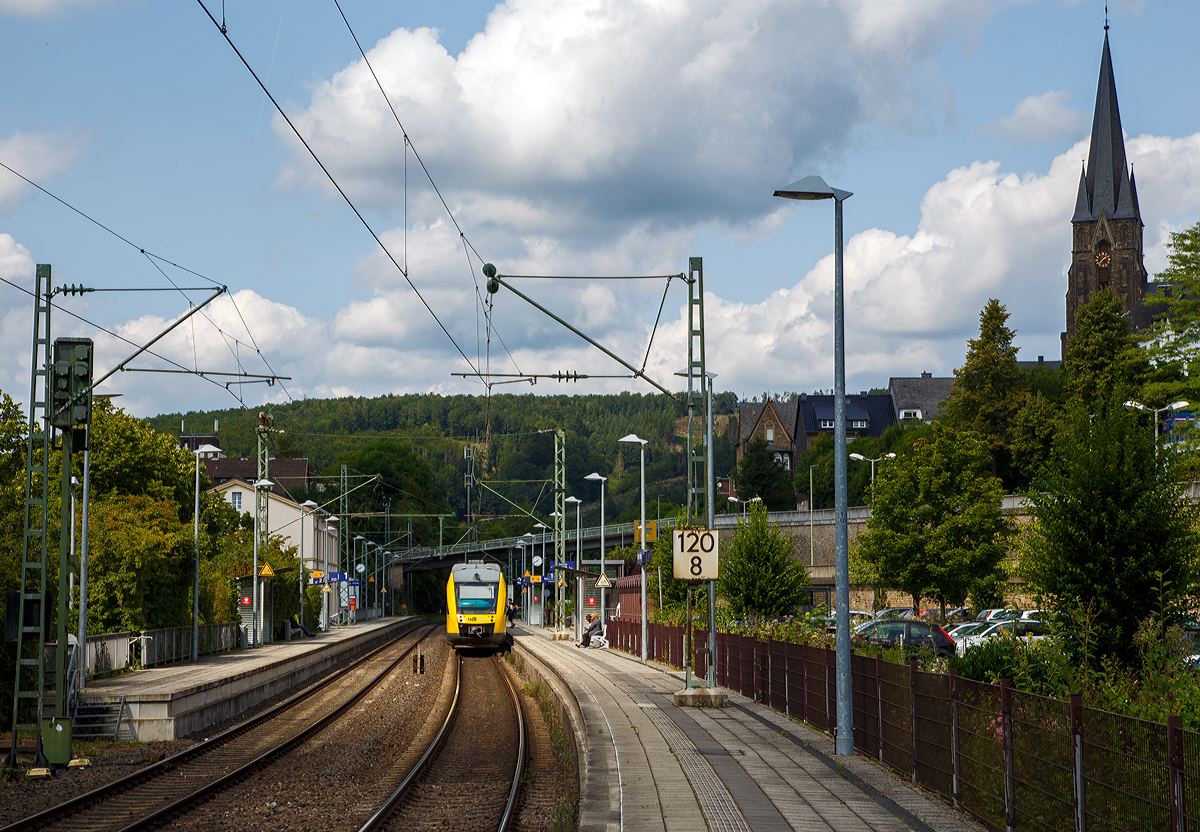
[[335, 184]]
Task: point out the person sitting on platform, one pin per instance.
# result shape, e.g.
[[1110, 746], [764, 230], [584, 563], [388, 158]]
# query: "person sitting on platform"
[[296, 625], [593, 629]]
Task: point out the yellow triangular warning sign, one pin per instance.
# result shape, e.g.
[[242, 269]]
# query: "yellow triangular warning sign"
[[266, 571], [603, 582]]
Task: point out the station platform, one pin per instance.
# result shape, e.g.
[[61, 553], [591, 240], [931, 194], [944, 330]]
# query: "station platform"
[[646, 764], [176, 700]]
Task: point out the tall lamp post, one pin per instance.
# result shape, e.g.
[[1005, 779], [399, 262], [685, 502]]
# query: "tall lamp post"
[[1172, 407], [335, 602], [260, 484], [603, 592], [578, 565], [861, 458], [633, 437], [307, 506], [203, 449], [812, 549], [527, 540], [541, 590], [810, 188], [356, 574]]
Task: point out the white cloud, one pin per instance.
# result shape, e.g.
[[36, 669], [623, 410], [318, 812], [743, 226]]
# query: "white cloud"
[[34, 8], [579, 119], [37, 156], [1040, 118]]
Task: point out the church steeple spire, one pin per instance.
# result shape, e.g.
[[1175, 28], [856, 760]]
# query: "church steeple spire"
[[1107, 174], [1106, 228]]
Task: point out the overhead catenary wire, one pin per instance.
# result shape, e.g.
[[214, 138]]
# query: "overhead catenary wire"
[[334, 182], [155, 261]]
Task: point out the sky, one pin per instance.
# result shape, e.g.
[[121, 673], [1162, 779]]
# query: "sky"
[[596, 139]]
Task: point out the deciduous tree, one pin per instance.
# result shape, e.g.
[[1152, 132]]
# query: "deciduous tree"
[[759, 576], [760, 474], [1112, 526], [936, 529]]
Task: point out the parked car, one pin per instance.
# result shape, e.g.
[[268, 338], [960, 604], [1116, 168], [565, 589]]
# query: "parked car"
[[895, 612], [953, 630], [998, 614], [980, 631], [857, 617], [893, 632]]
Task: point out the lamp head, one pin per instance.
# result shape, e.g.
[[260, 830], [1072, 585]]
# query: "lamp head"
[[264, 484], [858, 457], [572, 499], [890, 456], [595, 477], [1137, 406], [309, 504], [633, 437], [812, 187], [1177, 406]]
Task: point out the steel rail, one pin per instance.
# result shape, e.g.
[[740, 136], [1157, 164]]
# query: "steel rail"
[[377, 821], [71, 806]]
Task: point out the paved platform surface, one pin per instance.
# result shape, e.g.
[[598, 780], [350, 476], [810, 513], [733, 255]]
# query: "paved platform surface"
[[653, 766], [180, 676], [175, 700]]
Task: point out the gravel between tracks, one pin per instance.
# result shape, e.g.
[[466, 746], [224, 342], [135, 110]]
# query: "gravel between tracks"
[[337, 779]]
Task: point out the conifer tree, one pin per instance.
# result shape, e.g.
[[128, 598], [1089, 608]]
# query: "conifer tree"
[[989, 389], [1173, 342], [1103, 354]]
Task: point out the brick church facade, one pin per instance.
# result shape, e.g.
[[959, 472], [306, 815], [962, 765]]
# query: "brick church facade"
[[1106, 228]]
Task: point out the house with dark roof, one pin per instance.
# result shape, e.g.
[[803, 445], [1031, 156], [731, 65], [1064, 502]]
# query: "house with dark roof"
[[867, 414], [773, 422], [919, 399], [286, 474]]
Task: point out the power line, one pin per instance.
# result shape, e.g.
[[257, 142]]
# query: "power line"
[[334, 182]]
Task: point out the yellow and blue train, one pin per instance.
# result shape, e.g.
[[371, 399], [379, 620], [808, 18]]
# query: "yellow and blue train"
[[476, 600]]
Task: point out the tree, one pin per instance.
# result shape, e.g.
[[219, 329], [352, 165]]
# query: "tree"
[[988, 389], [1103, 355], [758, 575], [760, 474], [1111, 528], [936, 529], [1173, 342]]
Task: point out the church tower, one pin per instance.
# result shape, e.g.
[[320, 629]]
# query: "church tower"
[[1106, 230]]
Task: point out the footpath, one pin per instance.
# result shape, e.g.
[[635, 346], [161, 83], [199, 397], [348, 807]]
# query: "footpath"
[[646, 764]]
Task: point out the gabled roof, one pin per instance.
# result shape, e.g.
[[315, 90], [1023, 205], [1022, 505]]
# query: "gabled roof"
[[751, 414], [876, 408], [925, 394], [1106, 187], [286, 473]]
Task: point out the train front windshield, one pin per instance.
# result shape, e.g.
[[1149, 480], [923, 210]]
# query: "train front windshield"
[[475, 597]]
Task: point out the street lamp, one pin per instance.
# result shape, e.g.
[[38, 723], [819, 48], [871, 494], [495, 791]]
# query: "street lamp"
[[1173, 406], [745, 503], [541, 592], [307, 505], [260, 484], [578, 565], [557, 587], [861, 458], [812, 549], [337, 550], [633, 437], [357, 573], [810, 188], [203, 449], [603, 592]]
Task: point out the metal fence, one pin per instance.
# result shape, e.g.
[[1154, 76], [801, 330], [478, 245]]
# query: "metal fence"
[[173, 644], [1014, 760]]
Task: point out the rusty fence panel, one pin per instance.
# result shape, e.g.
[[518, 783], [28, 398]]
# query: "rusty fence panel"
[[777, 670], [1126, 773], [981, 751], [815, 687], [1188, 779], [864, 693], [931, 720], [1044, 785], [746, 649], [895, 702], [794, 654]]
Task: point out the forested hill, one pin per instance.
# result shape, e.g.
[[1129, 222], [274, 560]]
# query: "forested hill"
[[504, 429]]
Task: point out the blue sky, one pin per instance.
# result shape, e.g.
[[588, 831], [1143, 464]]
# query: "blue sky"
[[608, 137]]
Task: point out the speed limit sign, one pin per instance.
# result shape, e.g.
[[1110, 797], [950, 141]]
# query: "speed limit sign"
[[695, 554]]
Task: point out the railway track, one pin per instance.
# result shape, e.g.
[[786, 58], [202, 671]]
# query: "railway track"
[[470, 775], [153, 795]]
